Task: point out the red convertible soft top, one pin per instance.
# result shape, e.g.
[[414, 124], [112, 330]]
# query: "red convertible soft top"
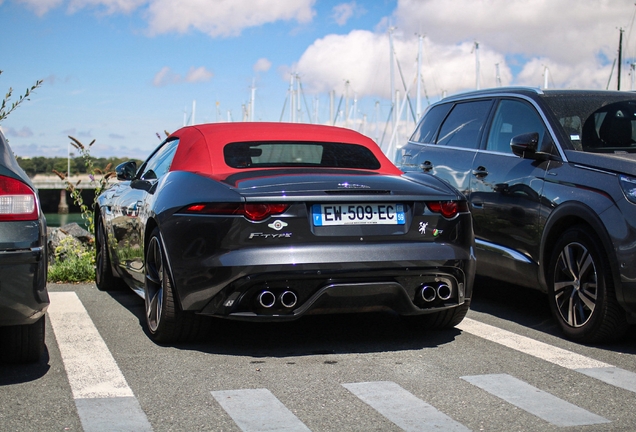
[[201, 146]]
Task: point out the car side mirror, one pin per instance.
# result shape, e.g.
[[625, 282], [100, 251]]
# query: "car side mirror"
[[126, 171], [525, 145]]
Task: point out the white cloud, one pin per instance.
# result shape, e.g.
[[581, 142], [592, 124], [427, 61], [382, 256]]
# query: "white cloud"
[[25, 132], [216, 18], [363, 59], [167, 76], [564, 30], [109, 6], [41, 7], [223, 17], [262, 65], [200, 74], [344, 11], [576, 41]]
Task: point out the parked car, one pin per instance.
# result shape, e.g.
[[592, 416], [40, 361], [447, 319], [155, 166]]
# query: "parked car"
[[273, 221], [550, 177], [23, 265]]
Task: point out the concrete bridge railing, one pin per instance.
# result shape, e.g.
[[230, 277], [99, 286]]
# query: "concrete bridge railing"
[[45, 181]]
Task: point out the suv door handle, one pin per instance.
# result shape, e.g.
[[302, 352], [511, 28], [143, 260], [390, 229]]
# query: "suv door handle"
[[480, 172], [426, 166]]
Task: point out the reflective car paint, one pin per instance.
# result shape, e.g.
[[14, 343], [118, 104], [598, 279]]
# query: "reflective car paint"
[[521, 205]]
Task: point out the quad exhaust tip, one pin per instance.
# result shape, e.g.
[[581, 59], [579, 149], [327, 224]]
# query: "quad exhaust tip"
[[288, 299], [267, 299], [429, 293], [444, 292]]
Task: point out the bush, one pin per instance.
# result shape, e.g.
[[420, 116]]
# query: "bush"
[[74, 262]]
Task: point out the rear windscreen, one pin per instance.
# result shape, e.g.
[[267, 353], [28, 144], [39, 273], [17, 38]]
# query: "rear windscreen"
[[293, 154]]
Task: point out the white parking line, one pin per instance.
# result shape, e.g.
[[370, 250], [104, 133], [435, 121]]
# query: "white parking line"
[[596, 369], [532, 347], [403, 408], [537, 402], [256, 410], [102, 396]]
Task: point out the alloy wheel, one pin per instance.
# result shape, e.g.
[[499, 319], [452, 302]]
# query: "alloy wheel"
[[575, 284], [154, 284]]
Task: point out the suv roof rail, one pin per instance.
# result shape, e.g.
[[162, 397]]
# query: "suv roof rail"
[[495, 90]]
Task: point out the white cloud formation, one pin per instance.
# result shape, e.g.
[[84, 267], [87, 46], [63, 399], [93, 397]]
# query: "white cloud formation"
[[25, 132], [108, 6], [167, 76], [563, 30], [216, 18], [576, 42], [344, 11], [262, 65], [200, 74], [223, 17], [41, 7], [363, 58]]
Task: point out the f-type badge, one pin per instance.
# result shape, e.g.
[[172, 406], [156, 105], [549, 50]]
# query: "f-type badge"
[[277, 225]]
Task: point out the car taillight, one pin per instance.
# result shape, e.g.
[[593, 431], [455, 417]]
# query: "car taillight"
[[448, 209], [17, 201], [252, 211]]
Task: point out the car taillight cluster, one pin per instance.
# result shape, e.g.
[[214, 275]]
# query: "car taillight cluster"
[[448, 209], [252, 211], [17, 201]]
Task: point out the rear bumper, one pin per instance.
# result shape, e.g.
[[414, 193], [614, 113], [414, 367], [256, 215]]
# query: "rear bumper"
[[325, 278], [23, 295]]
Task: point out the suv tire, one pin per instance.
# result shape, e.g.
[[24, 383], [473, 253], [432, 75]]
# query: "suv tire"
[[581, 289]]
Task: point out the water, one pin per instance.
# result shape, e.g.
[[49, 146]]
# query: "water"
[[55, 220]]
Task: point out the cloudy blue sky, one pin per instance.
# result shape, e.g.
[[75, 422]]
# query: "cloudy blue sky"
[[122, 71]]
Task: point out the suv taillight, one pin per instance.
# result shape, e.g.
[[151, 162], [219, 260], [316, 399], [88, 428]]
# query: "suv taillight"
[[17, 201]]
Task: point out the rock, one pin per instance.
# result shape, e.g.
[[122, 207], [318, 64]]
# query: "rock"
[[73, 229], [56, 235]]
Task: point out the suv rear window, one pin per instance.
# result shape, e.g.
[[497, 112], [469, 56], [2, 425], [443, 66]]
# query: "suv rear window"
[[597, 123], [294, 154]]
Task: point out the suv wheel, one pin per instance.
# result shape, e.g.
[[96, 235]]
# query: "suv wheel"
[[581, 289]]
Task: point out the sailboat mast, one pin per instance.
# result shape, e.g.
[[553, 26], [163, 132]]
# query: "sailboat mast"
[[620, 57], [477, 83], [392, 73], [252, 100], [419, 79]]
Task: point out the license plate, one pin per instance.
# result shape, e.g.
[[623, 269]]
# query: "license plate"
[[358, 214]]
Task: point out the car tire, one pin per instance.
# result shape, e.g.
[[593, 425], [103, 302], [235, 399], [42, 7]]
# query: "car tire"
[[441, 320], [104, 278], [581, 289], [22, 343], [165, 321]]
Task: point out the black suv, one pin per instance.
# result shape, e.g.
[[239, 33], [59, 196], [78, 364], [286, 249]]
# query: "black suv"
[[551, 181]]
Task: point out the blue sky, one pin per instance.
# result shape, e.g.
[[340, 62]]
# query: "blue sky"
[[121, 71]]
